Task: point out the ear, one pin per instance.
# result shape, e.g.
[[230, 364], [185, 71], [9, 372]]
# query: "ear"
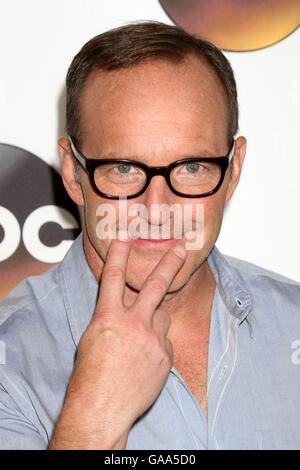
[[68, 172], [240, 146]]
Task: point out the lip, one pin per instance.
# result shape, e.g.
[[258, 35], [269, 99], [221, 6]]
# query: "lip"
[[155, 243]]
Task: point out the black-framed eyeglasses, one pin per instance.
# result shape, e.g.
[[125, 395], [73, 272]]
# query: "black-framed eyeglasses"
[[190, 177]]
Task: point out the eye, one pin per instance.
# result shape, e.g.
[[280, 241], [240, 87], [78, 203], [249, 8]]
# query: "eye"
[[192, 167], [124, 168], [122, 172]]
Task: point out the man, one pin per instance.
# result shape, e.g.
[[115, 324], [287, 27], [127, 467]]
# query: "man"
[[179, 348]]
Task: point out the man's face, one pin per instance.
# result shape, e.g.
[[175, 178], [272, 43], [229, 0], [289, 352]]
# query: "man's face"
[[155, 113]]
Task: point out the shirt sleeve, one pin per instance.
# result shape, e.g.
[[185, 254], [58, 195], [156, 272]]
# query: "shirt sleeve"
[[16, 431]]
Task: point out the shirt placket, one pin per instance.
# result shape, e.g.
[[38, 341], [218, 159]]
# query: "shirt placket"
[[219, 379]]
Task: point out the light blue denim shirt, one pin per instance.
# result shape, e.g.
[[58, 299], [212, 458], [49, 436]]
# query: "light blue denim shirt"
[[253, 368]]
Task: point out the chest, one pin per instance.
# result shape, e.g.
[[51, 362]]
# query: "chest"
[[190, 360]]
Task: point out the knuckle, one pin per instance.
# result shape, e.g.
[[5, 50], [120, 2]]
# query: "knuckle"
[[154, 349], [137, 327], [109, 334], [156, 346], [176, 259], [167, 362], [114, 273], [103, 315], [158, 283]]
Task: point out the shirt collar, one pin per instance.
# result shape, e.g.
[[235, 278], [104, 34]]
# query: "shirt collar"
[[232, 287], [80, 287]]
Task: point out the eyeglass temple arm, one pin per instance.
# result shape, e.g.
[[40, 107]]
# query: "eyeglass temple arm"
[[78, 156], [231, 153]]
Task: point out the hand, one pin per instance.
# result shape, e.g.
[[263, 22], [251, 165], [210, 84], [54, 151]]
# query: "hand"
[[124, 357]]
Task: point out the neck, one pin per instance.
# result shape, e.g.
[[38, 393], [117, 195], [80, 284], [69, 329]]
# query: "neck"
[[190, 308], [196, 294]]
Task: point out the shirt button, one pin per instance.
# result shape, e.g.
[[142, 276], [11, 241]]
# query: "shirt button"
[[222, 373]]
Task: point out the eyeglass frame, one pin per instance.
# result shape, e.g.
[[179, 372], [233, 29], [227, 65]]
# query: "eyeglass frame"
[[90, 165]]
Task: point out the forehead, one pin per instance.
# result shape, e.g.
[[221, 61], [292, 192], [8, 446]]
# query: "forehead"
[[154, 105]]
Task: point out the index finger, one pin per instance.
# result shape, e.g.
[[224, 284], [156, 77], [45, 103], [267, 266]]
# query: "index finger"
[[112, 284]]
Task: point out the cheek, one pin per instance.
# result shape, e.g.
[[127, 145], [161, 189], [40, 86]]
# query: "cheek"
[[213, 208], [92, 204], [207, 215], [212, 220], [213, 213]]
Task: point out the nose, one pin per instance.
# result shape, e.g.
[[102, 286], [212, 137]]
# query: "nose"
[[156, 194]]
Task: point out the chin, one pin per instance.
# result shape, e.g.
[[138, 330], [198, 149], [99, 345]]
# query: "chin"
[[140, 267], [136, 283]]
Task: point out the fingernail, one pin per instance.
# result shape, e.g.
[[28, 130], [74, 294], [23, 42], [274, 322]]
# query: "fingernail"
[[180, 251], [123, 235]]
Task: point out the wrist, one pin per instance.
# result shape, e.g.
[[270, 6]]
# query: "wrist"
[[86, 428]]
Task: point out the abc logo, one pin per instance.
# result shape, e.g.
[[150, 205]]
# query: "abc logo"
[[236, 25], [38, 221], [30, 233]]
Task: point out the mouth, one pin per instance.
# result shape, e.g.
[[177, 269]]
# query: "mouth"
[[154, 243]]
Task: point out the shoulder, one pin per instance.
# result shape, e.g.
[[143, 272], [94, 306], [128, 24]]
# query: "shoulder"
[[33, 320], [252, 271], [37, 352], [30, 297], [271, 292]]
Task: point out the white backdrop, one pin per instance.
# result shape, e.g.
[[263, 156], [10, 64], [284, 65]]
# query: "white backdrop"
[[38, 40]]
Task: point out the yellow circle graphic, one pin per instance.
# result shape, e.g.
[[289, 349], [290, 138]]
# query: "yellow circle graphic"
[[236, 25]]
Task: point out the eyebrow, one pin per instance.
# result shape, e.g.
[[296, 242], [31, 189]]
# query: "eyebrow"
[[112, 156], [204, 153]]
